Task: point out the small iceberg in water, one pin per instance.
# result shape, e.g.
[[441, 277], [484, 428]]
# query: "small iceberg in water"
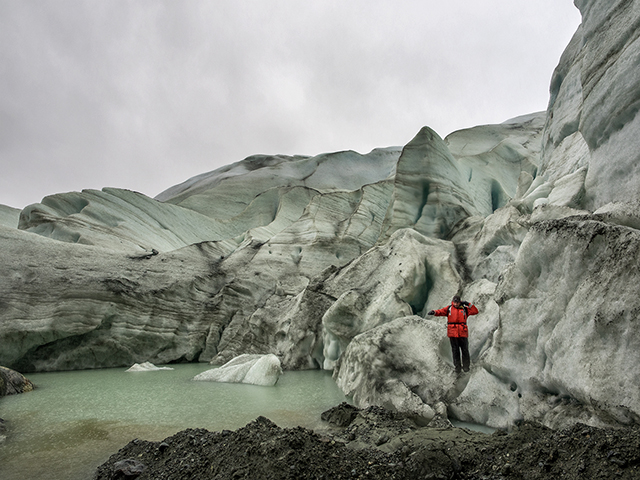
[[146, 367], [261, 370]]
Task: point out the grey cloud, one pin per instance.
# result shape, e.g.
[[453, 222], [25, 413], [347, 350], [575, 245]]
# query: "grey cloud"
[[145, 94]]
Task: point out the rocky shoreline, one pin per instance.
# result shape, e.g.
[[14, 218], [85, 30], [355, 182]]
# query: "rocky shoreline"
[[374, 443]]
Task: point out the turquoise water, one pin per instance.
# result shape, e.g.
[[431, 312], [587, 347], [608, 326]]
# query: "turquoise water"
[[73, 421]]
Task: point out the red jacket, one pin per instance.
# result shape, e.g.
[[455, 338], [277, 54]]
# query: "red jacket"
[[456, 319]]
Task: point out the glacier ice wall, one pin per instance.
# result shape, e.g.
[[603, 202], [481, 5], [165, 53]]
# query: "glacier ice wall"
[[332, 261], [9, 217], [263, 370]]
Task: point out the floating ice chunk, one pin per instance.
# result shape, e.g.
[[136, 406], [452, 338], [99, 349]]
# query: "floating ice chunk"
[[261, 370], [146, 367]]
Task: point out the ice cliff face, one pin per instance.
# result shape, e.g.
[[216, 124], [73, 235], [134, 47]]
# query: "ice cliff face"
[[332, 261], [595, 97], [9, 216]]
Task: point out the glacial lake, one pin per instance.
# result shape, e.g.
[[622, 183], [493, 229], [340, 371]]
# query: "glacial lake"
[[73, 421]]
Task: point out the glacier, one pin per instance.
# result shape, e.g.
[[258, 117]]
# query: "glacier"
[[331, 261]]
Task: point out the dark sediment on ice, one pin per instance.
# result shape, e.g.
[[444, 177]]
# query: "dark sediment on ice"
[[377, 444]]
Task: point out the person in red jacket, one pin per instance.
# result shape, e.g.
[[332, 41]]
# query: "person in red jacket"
[[457, 314]]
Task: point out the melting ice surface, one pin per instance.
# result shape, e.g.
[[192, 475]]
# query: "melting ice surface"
[[74, 421]]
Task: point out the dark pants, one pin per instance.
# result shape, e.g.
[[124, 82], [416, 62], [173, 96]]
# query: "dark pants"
[[460, 346]]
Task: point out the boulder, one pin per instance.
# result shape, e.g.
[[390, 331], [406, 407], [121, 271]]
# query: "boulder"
[[12, 382]]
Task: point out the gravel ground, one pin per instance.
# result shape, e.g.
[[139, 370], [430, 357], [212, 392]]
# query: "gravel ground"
[[377, 444]]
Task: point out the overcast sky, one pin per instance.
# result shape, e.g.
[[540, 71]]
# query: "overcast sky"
[[144, 94]]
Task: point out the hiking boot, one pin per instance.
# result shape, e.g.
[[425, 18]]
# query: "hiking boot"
[[458, 369]]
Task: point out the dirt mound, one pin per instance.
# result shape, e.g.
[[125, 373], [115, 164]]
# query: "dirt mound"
[[536, 452], [260, 450], [377, 444]]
